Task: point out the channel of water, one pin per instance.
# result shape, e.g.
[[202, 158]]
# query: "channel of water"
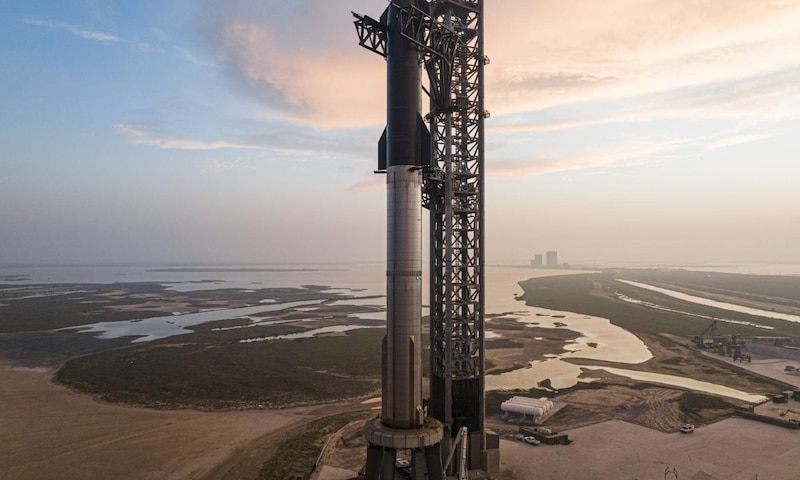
[[682, 382], [609, 342], [153, 328], [713, 303]]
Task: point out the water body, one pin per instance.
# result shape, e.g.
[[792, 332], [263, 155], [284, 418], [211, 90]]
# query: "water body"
[[713, 303], [742, 268], [43, 295], [153, 328], [612, 344], [655, 306], [369, 279], [309, 333], [688, 383]]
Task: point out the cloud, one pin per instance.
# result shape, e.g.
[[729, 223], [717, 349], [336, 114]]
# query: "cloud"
[[147, 47], [75, 30], [372, 184], [616, 155], [736, 140], [88, 34], [559, 52], [757, 100], [624, 154], [301, 60], [557, 65], [140, 135], [217, 166]]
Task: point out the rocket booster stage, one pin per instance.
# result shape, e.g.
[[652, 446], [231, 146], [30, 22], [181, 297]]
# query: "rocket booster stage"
[[404, 151], [404, 143]]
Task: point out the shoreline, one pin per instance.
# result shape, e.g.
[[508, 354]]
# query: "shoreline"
[[76, 429]]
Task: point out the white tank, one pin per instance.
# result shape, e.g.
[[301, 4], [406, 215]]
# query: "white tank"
[[522, 409]]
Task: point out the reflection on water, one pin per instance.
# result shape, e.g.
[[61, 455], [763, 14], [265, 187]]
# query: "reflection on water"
[[625, 298], [368, 280], [265, 323], [308, 333], [713, 303], [153, 328], [43, 295], [561, 375], [611, 343]]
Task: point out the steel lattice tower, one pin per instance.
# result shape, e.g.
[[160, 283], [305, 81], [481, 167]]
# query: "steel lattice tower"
[[454, 196]]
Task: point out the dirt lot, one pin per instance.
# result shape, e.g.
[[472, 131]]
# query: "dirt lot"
[[49, 432], [734, 449]]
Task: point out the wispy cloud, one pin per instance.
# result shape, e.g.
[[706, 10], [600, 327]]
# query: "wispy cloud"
[[621, 154], [557, 65], [140, 135], [75, 30], [369, 185], [546, 54], [314, 74], [217, 166], [90, 34], [736, 140], [584, 51], [624, 154]]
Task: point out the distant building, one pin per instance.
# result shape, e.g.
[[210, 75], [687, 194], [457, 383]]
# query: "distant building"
[[552, 258], [537, 260]]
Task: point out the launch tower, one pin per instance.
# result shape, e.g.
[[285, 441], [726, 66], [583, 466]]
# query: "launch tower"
[[443, 171]]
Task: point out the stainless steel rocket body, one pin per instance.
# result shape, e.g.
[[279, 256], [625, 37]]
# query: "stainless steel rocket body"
[[402, 395], [402, 352]]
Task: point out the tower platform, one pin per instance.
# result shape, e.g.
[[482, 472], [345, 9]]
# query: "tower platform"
[[378, 434]]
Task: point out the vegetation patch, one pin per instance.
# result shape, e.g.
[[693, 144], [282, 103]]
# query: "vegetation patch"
[[673, 361], [178, 372], [502, 343], [295, 458], [598, 294], [695, 403], [503, 370], [506, 326], [545, 384]]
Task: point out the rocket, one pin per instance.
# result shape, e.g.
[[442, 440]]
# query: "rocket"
[[404, 148]]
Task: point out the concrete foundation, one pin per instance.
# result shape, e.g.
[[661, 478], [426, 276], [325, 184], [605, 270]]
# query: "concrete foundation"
[[424, 444]]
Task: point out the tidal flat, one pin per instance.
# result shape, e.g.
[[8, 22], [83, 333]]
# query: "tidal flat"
[[577, 318]]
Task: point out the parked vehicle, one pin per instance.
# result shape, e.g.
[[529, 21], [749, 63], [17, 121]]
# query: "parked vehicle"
[[687, 428], [531, 441]]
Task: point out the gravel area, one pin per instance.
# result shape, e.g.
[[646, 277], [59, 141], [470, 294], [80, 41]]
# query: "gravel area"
[[732, 449]]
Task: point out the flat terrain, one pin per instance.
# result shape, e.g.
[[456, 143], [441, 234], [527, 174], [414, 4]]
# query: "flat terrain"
[[600, 294], [734, 449], [50, 432]]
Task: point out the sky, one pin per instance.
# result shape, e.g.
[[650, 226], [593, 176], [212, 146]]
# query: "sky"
[[242, 131]]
